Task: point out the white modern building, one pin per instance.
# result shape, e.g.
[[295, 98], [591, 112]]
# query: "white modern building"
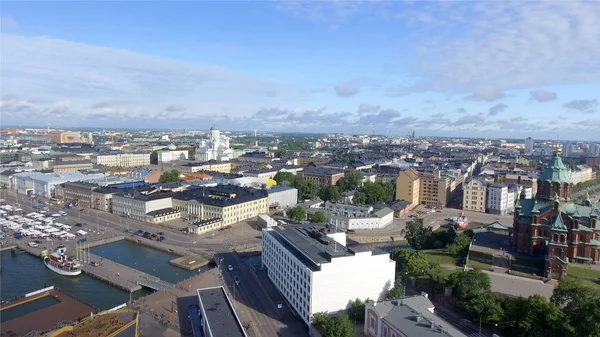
[[378, 219], [166, 156], [314, 270], [347, 209], [595, 150], [282, 196], [122, 159], [44, 184], [529, 145], [154, 206], [217, 148], [499, 199]]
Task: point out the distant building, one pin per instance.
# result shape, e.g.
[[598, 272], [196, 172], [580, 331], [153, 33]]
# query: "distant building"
[[595, 150], [44, 184], [474, 196], [582, 173], [166, 156], [217, 148], [150, 205], [408, 187], [212, 166], [529, 145], [315, 272], [322, 177], [406, 316], [122, 159], [282, 196], [61, 137], [72, 163]]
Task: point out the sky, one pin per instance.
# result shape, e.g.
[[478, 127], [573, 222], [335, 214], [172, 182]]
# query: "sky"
[[496, 69]]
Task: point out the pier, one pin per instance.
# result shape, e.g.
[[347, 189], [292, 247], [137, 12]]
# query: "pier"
[[111, 272]]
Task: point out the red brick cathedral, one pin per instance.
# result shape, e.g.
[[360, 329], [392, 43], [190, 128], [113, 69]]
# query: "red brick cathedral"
[[555, 226]]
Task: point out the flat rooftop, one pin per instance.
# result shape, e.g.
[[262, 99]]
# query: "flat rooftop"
[[220, 315], [310, 243]]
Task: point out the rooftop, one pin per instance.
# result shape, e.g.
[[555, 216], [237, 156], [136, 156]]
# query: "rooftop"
[[219, 314], [221, 195], [310, 243]]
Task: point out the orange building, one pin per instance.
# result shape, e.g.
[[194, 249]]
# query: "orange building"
[[196, 176]]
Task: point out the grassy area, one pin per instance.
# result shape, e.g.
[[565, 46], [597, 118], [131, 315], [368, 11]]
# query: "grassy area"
[[440, 256], [474, 254], [583, 272], [480, 265], [527, 262]]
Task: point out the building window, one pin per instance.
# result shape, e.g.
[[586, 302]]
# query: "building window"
[[372, 323], [385, 332]]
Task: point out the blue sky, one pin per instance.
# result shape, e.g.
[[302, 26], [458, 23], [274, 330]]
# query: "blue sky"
[[495, 69]]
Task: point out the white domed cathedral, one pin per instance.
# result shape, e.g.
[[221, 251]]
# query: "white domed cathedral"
[[216, 148], [554, 226]]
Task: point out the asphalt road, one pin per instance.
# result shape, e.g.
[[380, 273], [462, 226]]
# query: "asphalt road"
[[103, 221], [247, 293]]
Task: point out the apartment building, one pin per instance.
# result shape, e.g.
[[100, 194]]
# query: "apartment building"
[[212, 165], [475, 196], [322, 177], [406, 316], [521, 178], [166, 156], [230, 203], [304, 161], [79, 194], [500, 199], [313, 269], [282, 197], [582, 173], [150, 205], [64, 164], [262, 173], [122, 159], [434, 189], [408, 186], [61, 137]]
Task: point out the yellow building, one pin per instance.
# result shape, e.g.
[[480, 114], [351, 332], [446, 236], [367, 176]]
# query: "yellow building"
[[66, 137], [434, 189], [229, 203], [303, 161], [408, 187], [474, 196], [211, 166]]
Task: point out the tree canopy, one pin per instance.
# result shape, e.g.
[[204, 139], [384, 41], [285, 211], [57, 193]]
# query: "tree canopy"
[[339, 326], [410, 263], [297, 214], [535, 317], [169, 176], [581, 305], [318, 217]]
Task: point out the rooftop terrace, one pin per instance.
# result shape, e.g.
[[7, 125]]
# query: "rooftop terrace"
[[220, 315]]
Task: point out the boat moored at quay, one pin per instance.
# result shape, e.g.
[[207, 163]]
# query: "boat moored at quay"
[[60, 263]]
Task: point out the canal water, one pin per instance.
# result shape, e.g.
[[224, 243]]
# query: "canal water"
[[23, 273], [143, 258]]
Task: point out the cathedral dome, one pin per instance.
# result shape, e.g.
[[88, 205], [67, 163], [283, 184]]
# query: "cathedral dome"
[[214, 128], [556, 171]]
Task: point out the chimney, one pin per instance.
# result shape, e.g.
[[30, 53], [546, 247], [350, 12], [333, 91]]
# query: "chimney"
[[432, 325], [418, 318], [424, 294]]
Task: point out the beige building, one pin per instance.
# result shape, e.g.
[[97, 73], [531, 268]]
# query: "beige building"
[[408, 187], [153, 206], [121, 159], [79, 194], [303, 161], [212, 166], [435, 190], [474, 196], [66, 137], [582, 173], [321, 176], [229, 203], [70, 163]]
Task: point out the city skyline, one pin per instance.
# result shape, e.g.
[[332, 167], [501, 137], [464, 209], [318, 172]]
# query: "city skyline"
[[501, 70]]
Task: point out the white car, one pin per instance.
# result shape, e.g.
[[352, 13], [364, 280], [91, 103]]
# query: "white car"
[[230, 267], [62, 212]]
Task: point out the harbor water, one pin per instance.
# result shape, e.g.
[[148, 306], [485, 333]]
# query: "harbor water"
[[23, 273], [143, 258]]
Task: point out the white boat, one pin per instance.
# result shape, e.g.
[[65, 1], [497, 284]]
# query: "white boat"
[[60, 263]]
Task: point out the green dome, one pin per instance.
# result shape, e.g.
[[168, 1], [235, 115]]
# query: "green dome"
[[214, 128], [556, 171]]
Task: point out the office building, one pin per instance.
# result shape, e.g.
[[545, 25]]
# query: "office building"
[[408, 187], [314, 270], [500, 199], [322, 177], [282, 197], [529, 145], [166, 156], [474, 196], [150, 205], [406, 317]]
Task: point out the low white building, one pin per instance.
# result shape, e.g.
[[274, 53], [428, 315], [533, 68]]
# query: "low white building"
[[282, 196], [166, 156], [499, 199], [379, 219], [348, 210], [314, 270], [44, 184]]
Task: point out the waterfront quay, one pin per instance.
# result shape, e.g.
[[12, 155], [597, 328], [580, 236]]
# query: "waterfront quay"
[[66, 309], [111, 272]]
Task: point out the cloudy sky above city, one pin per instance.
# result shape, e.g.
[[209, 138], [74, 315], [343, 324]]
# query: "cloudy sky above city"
[[448, 68]]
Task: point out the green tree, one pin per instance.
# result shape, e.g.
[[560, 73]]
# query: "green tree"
[[356, 311], [169, 176], [535, 317], [360, 198], [411, 263], [318, 217], [353, 180], [297, 214], [307, 189], [339, 326], [192, 152], [280, 153], [398, 288], [330, 193], [460, 246], [319, 320], [581, 305], [416, 234], [154, 158], [285, 179]]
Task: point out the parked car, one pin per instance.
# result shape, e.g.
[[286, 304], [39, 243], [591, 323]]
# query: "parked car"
[[146, 234], [139, 232], [94, 263], [162, 238], [351, 231], [78, 225], [160, 233], [230, 267], [153, 237]]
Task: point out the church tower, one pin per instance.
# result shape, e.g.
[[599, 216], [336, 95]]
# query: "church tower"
[[555, 179]]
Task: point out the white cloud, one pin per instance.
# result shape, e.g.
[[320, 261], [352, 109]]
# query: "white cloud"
[[543, 95], [39, 74], [346, 89]]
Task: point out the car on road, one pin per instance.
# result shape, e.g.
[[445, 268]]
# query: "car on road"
[[139, 232], [146, 234], [350, 231], [160, 233], [153, 237], [128, 231], [94, 263], [230, 267], [62, 212], [237, 280], [78, 224], [162, 238]]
